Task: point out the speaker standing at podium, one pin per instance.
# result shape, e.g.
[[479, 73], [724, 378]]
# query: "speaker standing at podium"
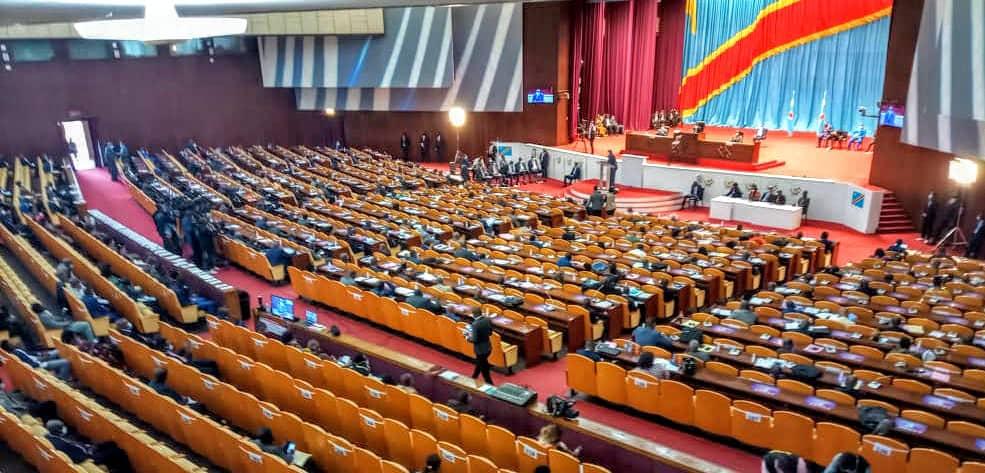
[[613, 165]]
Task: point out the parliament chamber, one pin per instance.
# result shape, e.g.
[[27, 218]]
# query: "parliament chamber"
[[355, 255]]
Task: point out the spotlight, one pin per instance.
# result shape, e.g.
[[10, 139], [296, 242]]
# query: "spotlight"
[[329, 112], [456, 115], [962, 171]]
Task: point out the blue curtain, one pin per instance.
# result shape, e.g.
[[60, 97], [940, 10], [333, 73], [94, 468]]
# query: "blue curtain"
[[845, 71]]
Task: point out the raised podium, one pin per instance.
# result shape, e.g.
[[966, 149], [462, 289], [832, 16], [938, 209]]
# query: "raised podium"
[[688, 147]]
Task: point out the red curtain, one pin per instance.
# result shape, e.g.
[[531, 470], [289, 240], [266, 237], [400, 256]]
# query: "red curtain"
[[669, 56], [587, 61], [646, 21], [614, 61]]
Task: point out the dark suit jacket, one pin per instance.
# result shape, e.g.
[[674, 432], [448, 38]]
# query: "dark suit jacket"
[[482, 335]]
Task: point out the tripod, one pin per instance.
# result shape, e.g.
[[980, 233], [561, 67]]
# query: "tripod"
[[954, 237]]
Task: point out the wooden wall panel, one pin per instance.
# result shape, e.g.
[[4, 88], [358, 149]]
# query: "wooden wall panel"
[[154, 102], [164, 101]]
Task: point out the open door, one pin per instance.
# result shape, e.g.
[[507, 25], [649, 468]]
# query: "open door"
[[78, 142]]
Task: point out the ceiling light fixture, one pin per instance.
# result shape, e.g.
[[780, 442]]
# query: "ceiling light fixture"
[[161, 24]]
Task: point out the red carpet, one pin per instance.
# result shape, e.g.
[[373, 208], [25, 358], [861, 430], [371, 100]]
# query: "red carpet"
[[547, 378], [799, 154]]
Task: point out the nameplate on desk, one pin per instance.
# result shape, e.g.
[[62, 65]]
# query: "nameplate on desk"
[[939, 402], [940, 376], [820, 403], [851, 356], [909, 425], [765, 389]]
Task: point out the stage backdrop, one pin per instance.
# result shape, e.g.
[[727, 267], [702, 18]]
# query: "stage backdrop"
[[784, 64]]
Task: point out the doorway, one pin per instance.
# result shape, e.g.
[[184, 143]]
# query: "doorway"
[[79, 143]]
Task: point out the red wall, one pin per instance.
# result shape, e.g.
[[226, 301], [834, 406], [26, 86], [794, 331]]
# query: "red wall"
[[911, 171], [164, 101]]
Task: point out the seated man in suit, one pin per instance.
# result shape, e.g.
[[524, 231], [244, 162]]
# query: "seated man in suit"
[[858, 136], [417, 299], [780, 199], [734, 191], [769, 195], [574, 175], [737, 137], [647, 335], [696, 195], [94, 305], [277, 255]]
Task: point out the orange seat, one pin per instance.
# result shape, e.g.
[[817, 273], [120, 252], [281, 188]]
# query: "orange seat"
[[911, 385], [563, 462], [581, 374], [472, 434], [372, 427], [972, 467], [611, 382], [367, 461], [398, 442], [446, 426], [793, 433], [831, 439], [478, 464], [530, 454], [421, 414], [884, 454], [752, 423], [501, 443], [423, 444], [642, 391], [676, 402], [794, 386], [967, 428], [453, 458], [713, 414], [391, 467], [928, 459], [927, 418]]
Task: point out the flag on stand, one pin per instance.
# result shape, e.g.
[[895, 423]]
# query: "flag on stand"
[[790, 114], [824, 103]]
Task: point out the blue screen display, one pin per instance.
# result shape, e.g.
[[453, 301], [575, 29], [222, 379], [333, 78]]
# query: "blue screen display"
[[282, 307]]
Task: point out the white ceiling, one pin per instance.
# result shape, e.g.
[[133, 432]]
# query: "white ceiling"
[[56, 11]]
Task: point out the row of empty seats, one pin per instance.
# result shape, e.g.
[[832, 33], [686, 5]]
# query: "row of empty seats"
[[504, 448]]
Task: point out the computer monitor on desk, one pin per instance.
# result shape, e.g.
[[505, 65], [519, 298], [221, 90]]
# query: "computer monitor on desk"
[[282, 307]]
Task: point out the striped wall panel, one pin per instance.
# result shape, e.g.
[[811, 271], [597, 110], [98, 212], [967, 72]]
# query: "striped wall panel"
[[415, 51], [945, 106], [487, 52]]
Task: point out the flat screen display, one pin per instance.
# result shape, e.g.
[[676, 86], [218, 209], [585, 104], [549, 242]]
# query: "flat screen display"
[[282, 307], [310, 317], [541, 95], [892, 115]]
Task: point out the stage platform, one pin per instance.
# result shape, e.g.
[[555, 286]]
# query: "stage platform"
[[779, 154], [628, 198]]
